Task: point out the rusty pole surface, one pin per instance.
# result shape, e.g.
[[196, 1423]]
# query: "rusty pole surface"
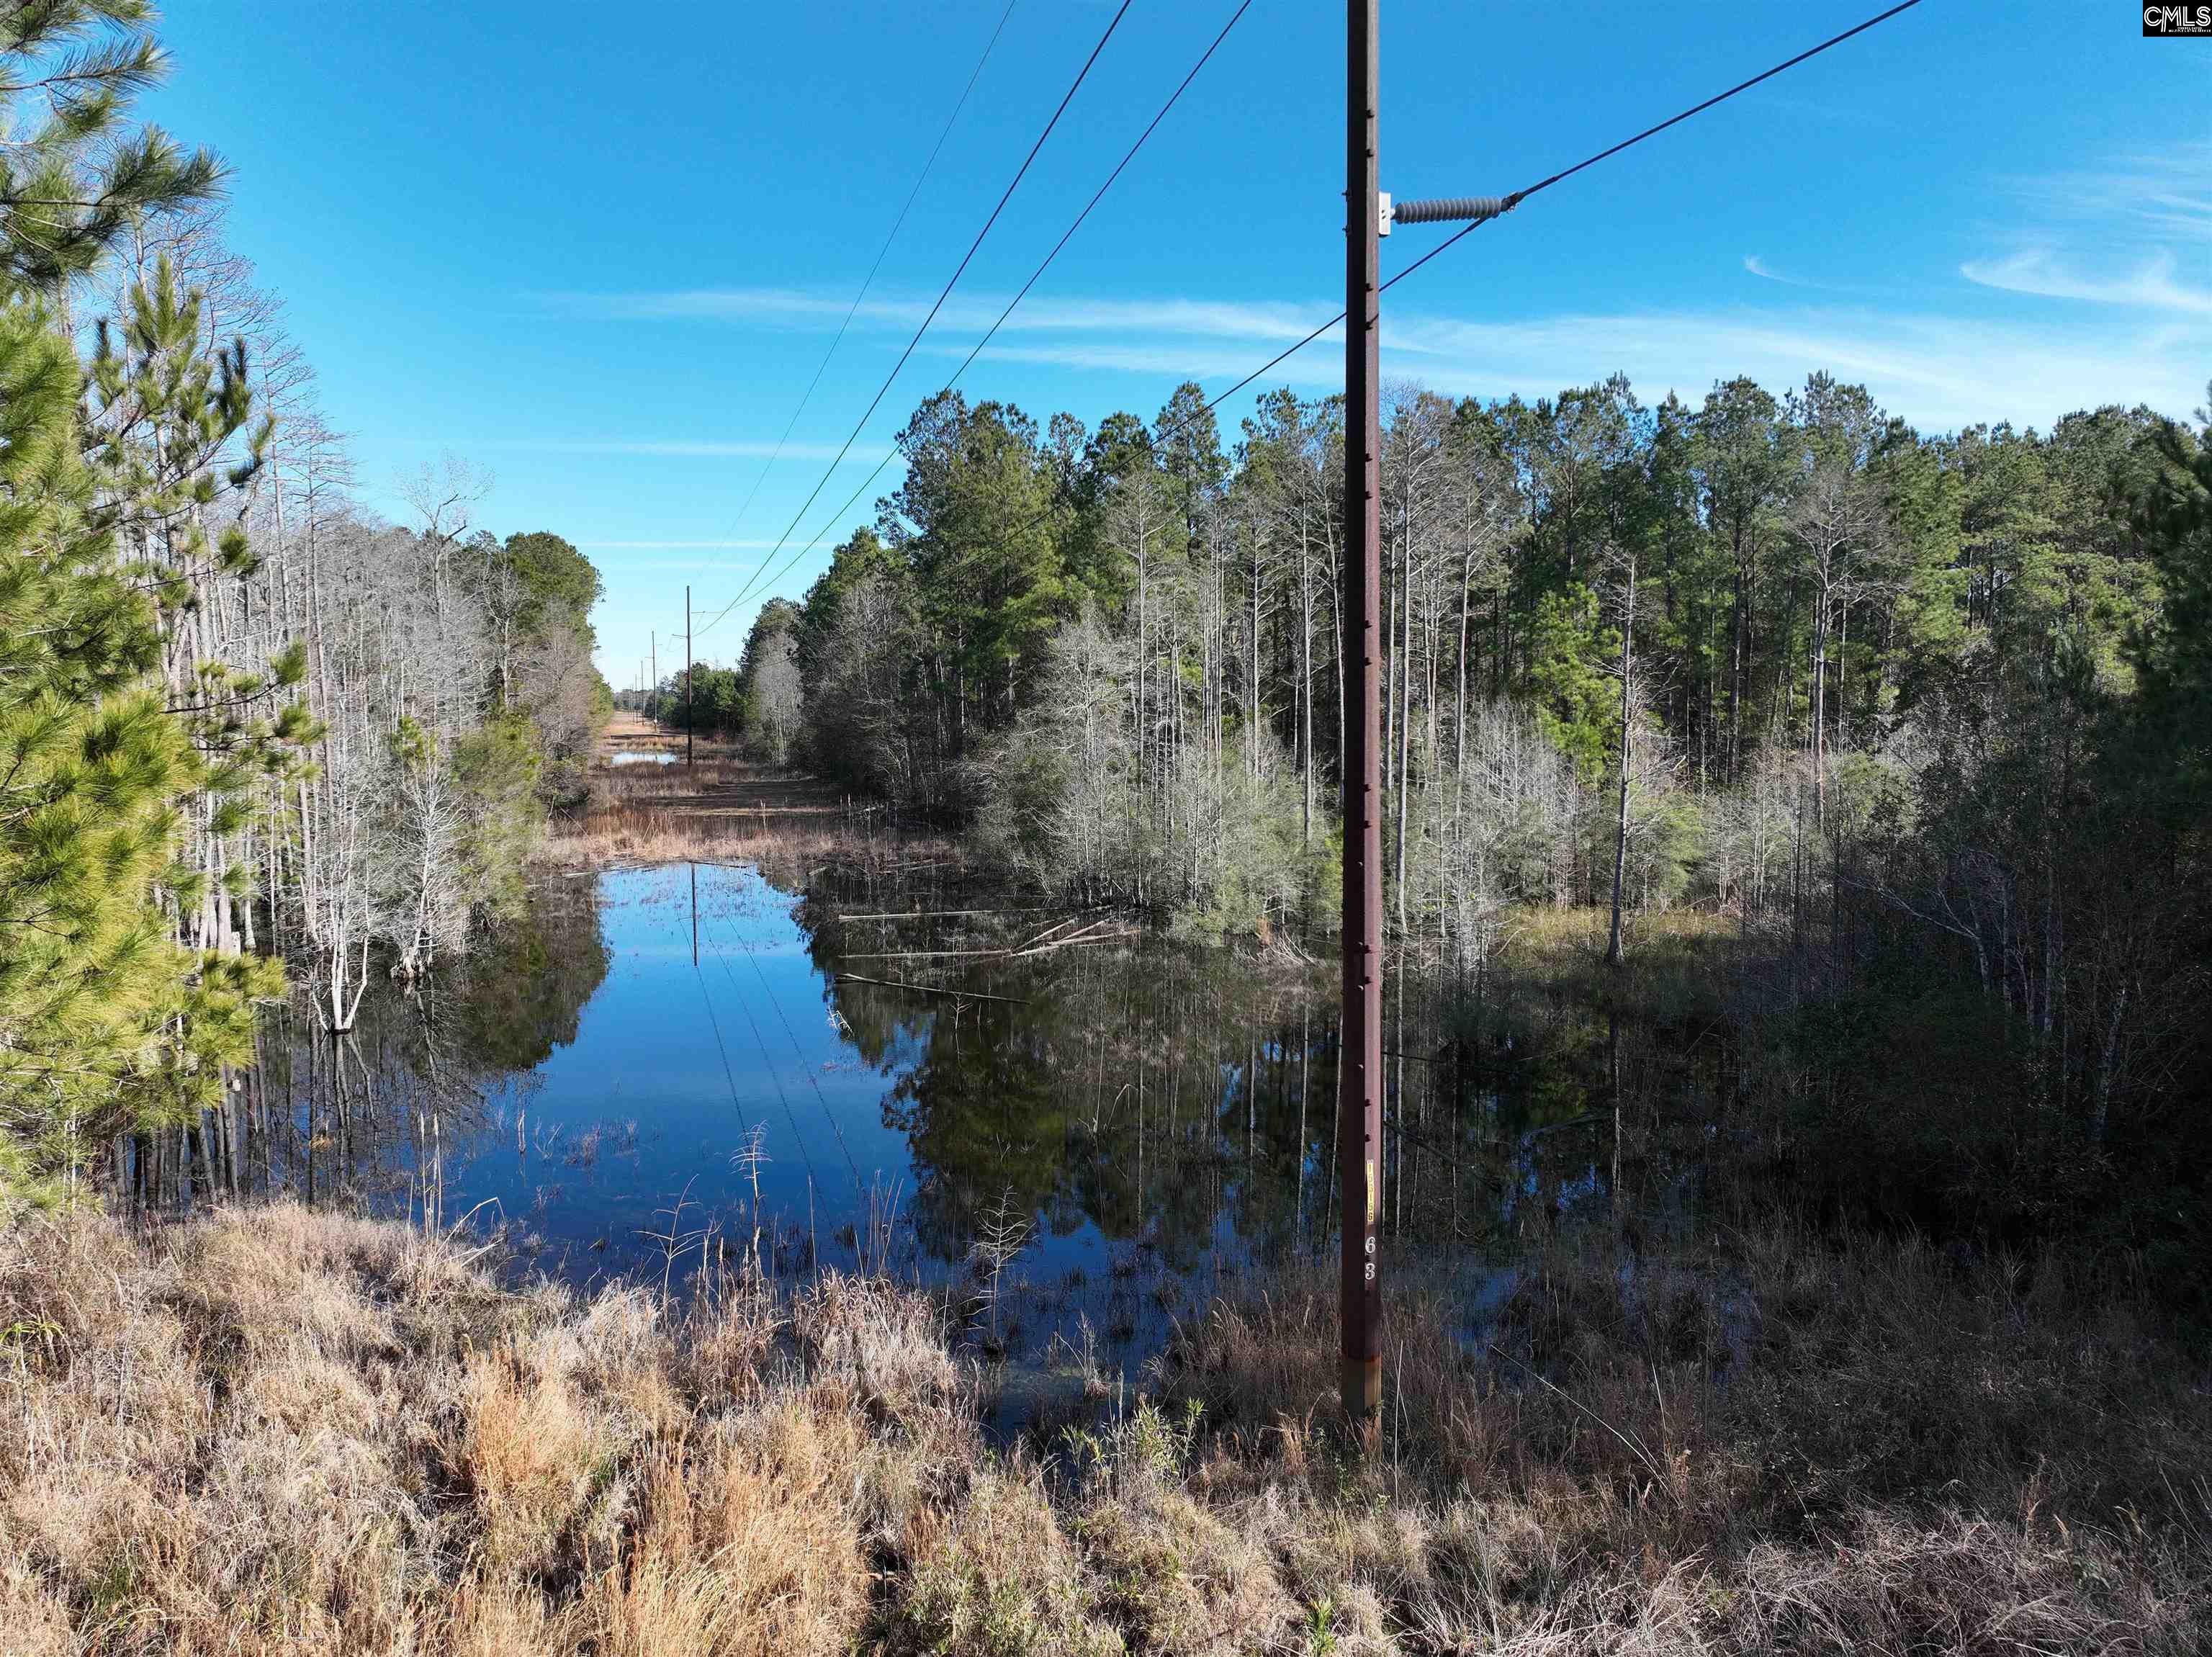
[[1360, 1099]]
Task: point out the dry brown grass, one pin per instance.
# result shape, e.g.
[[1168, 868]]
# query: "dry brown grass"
[[1793, 1444], [724, 807], [282, 1431]]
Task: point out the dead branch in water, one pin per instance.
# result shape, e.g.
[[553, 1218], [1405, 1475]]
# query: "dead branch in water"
[[932, 914], [932, 989], [1088, 935], [1037, 946], [921, 954], [1061, 926]]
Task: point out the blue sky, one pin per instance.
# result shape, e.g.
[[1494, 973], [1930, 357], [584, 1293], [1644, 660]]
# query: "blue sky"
[[600, 254]]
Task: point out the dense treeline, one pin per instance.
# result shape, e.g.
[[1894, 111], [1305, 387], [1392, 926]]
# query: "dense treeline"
[[757, 700], [1924, 715], [256, 744]]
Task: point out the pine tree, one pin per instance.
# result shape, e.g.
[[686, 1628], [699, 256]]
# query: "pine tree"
[[75, 181], [107, 1024], [167, 422]]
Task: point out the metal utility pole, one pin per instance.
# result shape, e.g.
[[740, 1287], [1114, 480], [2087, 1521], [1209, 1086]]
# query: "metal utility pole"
[[1359, 1060], [689, 720]]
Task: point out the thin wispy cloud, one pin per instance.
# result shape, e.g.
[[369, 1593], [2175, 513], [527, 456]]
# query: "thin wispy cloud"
[[2108, 236], [2106, 239], [2151, 286], [680, 449], [1939, 372], [2163, 196], [1758, 267], [731, 304], [674, 546], [1172, 360], [963, 314]]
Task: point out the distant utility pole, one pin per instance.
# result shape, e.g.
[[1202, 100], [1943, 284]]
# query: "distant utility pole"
[[687, 720], [1359, 1061], [653, 644]]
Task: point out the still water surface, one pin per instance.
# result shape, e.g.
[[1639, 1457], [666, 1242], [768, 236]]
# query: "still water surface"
[[665, 1065]]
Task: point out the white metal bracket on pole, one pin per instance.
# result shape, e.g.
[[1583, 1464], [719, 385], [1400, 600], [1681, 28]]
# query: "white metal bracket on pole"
[[1382, 212]]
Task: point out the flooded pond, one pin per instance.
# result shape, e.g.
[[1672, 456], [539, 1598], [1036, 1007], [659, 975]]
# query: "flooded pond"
[[642, 757], [661, 1066]]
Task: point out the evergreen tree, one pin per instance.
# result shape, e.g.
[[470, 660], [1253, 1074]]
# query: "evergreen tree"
[[74, 183], [107, 1024], [973, 520]]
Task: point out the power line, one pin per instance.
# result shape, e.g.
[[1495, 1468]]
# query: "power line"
[[1066, 236], [1519, 195], [728, 1075], [868, 281], [1098, 194], [1510, 201], [946, 293]]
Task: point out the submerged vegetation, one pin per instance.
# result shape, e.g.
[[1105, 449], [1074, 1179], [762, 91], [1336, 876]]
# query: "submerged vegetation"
[[286, 1431]]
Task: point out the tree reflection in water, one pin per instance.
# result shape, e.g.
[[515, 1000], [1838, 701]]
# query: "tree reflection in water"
[[367, 1118], [1161, 1113]]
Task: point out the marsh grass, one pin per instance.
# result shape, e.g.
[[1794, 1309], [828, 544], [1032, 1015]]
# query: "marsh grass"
[[1678, 964], [1781, 1443], [277, 1430], [724, 808]]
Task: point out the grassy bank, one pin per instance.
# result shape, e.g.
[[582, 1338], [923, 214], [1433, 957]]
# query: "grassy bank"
[[279, 1431]]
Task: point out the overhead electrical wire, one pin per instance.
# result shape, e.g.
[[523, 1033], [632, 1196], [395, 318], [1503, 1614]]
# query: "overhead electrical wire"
[[715, 1024], [1098, 194], [1510, 201], [1520, 196], [775, 1076], [989, 334], [944, 294], [1517, 197], [868, 281]]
